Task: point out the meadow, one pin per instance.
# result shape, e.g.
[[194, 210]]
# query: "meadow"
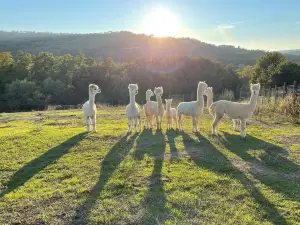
[[52, 172]]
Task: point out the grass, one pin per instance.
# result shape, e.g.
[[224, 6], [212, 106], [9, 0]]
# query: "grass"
[[51, 172]]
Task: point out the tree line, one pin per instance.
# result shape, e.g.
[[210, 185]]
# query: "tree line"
[[30, 81]]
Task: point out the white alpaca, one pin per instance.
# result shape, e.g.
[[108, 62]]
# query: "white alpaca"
[[171, 114], [193, 109], [133, 110], [147, 109], [160, 110], [210, 95], [89, 107], [235, 111]]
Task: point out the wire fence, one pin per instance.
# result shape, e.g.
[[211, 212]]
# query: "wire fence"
[[267, 95]]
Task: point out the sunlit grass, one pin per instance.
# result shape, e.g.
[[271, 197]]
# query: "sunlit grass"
[[51, 172]]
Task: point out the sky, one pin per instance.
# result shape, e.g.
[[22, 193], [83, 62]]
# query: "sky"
[[255, 24]]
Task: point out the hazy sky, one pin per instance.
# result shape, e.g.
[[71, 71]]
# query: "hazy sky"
[[255, 24]]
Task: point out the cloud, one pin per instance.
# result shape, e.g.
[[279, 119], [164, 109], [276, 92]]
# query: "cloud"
[[226, 27]]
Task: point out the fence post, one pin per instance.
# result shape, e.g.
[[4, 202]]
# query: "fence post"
[[294, 91], [284, 91], [276, 94]]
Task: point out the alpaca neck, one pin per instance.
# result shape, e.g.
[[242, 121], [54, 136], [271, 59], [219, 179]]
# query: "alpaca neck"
[[253, 101], [91, 99], [159, 101], [200, 97], [132, 98], [168, 106], [209, 100], [148, 98]]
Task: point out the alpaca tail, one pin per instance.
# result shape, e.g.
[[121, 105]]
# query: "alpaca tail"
[[212, 108]]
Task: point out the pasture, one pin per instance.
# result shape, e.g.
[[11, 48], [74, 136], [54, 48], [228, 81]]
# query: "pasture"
[[52, 172]]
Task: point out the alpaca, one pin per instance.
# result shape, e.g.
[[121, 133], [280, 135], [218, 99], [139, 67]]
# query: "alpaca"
[[160, 110], [148, 113], [89, 107], [210, 95], [194, 108], [171, 114], [235, 111], [155, 108], [133, 110]]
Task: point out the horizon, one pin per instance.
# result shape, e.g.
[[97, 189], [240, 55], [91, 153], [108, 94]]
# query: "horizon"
[[255, 25]]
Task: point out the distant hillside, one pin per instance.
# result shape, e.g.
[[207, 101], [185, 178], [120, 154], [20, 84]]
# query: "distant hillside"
[[292, 52], [124, 45]]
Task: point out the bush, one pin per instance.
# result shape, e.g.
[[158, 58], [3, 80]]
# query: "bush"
[[227, 95], [289, 106]]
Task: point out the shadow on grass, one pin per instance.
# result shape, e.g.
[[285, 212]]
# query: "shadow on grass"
[[171, 135], [211, 158], [109, 164], [153, 145], [268, 156], [38, 164]]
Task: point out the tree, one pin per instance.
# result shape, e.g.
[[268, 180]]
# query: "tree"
[[267, 67], [23, 95]]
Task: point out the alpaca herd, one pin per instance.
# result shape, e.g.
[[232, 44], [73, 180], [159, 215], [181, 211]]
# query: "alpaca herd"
[[238, 112]]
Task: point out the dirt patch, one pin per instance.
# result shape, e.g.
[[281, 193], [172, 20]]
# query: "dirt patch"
[[261, 170], [289, 140]]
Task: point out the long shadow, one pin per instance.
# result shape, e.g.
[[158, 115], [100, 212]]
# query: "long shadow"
[[38, 164], [154, 210], [269, 156], [211, 158], [109, 164], [171, 135]]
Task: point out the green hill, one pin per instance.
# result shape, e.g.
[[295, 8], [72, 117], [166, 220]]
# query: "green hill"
[[124, 45]]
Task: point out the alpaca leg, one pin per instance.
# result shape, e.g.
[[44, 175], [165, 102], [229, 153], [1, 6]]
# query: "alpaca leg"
[[235, 123], [243, 128], [215, 124], [94, 123], [87, 123], [157, 122], [129, 125], [150, 123], [167, 121], [134, 121], [196, 123]]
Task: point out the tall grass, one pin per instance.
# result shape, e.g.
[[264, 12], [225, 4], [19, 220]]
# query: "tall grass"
[[227, 95], [289, 106]]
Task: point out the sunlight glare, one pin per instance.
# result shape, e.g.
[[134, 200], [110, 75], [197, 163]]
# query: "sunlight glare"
[[161, 23]]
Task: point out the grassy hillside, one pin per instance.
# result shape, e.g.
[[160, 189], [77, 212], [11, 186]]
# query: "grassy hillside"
[[124, 45], [54, 173]]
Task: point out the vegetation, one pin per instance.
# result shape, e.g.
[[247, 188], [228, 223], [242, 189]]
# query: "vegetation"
[[122, 46], [273, 68], [289, 107], [145, 178], [33, 82]]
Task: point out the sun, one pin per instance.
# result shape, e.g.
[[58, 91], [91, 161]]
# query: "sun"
[[161, 23]]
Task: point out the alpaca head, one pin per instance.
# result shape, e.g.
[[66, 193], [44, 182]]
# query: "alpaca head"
[[149, 93], [158, 91], [94, 89], [133, 89], [255, 88], [202, 86], [169, 101], [208, 91]]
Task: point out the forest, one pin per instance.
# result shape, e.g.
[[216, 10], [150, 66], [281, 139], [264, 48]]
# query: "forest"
[[124, 46]]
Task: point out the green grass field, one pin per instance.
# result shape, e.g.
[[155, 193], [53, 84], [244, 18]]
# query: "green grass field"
[[51, 172]]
